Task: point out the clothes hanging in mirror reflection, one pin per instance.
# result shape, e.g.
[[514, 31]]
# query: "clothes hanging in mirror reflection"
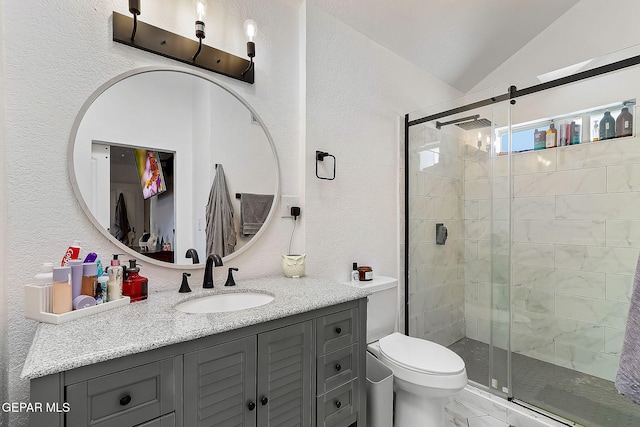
[[121, 223], [220, 230]]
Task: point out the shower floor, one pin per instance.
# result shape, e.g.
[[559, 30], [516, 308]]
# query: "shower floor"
[[585, 399]]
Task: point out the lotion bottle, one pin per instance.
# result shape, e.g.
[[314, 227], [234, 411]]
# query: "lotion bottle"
[[114, 286]]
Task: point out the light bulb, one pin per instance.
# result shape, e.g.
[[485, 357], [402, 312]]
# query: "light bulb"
[[250, 29], [479, 135], [201, 9]]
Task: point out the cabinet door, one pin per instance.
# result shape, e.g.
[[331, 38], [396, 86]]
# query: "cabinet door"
[[285, 363], [220, 385]]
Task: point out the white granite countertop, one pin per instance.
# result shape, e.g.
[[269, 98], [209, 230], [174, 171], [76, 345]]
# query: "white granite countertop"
[[154, 323]]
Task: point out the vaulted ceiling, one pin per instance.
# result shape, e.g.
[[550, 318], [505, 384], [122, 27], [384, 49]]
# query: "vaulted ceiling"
[[459, 41]]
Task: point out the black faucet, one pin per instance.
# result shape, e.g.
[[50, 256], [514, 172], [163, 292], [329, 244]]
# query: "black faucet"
[[192, 253], [212, 260]]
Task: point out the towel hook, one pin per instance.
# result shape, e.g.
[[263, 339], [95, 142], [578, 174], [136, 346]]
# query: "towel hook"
[[320, 155]]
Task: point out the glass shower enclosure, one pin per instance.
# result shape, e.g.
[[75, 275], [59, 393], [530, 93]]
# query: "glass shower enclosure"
[[539, 192]]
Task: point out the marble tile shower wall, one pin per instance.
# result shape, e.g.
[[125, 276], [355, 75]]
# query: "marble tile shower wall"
[[576, 238], [436, 279]]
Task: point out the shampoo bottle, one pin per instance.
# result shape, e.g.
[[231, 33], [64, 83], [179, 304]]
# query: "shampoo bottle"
[[114, 287], [607, 126], [624, 123], [539, 140], [552, 136], [576, 133], [134, 285]]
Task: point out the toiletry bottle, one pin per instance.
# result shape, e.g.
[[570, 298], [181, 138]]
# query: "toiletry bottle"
[[562, 135], [101, 289], [575, 133], [76, 277], [114, 288], [73, 252], [62, 290], [44, 279], [539, 140], [624, 123], [607, 126], [552, 136], [355, 275], [134, 286], [89, 279], [595, 135]]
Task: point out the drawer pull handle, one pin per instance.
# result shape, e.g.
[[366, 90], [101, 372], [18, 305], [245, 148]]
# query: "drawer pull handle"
[[251, 405], [264, 400], [338, 367], [125, 400], [338, 329], [338, 404]]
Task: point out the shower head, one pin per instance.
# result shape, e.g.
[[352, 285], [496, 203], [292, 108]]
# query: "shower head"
[[475, 124], [467, 123]]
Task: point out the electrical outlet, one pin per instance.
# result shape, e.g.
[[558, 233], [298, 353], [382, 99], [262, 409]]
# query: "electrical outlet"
[[286, 203]]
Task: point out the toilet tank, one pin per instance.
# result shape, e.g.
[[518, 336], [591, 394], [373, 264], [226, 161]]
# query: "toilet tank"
[[382, 307]]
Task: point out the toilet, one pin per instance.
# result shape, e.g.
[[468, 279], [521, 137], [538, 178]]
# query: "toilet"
[[424, 373]]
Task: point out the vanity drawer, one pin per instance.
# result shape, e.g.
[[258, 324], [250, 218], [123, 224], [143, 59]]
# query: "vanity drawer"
[[337, 368], [337, 330], [339, 407], [128, 397]]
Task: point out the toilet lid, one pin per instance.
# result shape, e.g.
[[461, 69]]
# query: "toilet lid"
[[421, 355]]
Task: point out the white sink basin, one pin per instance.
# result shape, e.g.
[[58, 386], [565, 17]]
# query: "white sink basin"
[[221, 303]]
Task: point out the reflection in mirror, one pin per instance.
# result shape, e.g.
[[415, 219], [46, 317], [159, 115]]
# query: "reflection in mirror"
[[144, 159]]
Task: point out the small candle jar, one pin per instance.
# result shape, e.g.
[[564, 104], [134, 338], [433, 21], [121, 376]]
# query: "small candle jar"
[[365, 272]]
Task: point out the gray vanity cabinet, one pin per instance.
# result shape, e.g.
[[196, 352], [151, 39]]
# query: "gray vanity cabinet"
[[304, 370], [262, 381]]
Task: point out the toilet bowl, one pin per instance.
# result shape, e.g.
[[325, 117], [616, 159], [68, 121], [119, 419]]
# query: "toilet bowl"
[[424, 373]]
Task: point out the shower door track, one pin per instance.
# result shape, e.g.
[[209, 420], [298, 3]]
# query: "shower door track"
[[516, 93]]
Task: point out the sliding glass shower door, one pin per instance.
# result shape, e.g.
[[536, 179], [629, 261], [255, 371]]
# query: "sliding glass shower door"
[[541, 201], [458, 293]]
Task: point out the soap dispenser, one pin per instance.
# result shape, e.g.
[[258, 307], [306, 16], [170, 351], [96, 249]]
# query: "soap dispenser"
[[134, 286]]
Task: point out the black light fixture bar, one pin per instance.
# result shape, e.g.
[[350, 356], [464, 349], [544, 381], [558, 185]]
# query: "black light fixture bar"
[[161, 42]]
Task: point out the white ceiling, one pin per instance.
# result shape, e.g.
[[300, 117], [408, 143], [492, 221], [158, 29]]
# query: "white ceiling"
[[459, 41]]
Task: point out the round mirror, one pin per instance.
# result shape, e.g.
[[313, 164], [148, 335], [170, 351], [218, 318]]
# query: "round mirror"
[[172, 166]]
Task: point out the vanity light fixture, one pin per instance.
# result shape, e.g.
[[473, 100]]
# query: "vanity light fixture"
[[156, 40], [201, 12], [250, 29]]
